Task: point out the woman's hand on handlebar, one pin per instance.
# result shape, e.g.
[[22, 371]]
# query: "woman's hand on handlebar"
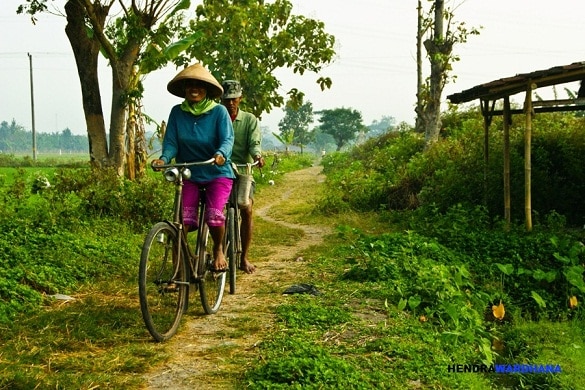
[[155, 163], [219, 159]]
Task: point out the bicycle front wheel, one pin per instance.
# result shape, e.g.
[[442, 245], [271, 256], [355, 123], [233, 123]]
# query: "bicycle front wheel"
[[162, 281], [211, 284], [232, 252]]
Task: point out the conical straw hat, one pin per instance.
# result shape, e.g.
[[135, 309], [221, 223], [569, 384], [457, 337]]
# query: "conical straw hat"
[[195, 72]]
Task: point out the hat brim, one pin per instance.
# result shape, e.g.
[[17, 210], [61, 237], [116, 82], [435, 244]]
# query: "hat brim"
[[195, 72]]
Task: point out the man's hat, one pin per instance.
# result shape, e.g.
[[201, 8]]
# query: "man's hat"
[[195, 72], [231, 89]]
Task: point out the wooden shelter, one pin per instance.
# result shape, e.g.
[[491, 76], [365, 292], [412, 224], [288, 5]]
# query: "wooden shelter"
[[489, 93]]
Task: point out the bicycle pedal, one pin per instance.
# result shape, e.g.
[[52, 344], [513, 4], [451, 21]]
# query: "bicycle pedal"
[[171, 287]]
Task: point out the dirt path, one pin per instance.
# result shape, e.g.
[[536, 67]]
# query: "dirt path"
[[204, 343]]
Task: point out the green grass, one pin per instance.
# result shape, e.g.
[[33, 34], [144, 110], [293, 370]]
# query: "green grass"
[[353, 336], [97, 339], [8, 175], [555, 343], [341, 339]]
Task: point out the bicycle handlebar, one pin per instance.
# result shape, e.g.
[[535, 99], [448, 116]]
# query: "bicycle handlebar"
[[246, 164], [211, 161]]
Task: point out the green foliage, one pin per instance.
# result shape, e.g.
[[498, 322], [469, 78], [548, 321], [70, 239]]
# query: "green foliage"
[[343, 124], [69, 233], [295, 125], [370, 176], [452, 171], [275, 38], [15, 139], [532, 267], [103, 193], [310, 313], [541, 342], [305, 366], [444, 292]]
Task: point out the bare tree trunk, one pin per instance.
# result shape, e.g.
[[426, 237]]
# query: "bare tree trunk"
[[121, 75], [419, 126], [439, 50], [130, 147], [86, 52]]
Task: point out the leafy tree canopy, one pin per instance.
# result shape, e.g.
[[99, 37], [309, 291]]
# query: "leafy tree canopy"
[[236, 39], [248, 40], [343, 124], [382, 126], [296, 121]]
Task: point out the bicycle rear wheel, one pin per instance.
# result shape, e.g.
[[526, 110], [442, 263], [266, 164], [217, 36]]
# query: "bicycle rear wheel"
[[211, 284], [162, 282], [232, 252]]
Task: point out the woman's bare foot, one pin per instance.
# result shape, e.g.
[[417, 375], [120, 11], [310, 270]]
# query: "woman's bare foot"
[[220, 265], [247, 267]]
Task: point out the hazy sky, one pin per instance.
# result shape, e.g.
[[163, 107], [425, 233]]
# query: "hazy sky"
[[374, 73]]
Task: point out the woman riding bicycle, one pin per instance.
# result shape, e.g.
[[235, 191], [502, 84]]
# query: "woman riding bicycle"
[[198, 129]]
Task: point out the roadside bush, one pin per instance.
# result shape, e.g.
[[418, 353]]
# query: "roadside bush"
[[392, 172], [45, 254], [537, 270], [444, 292], [104, 194], [363, 178], [71, 232]]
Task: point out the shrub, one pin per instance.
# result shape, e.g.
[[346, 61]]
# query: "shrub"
[[393, 172]]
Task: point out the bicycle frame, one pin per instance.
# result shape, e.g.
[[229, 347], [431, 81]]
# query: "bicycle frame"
[[168, 265], [234, 239], [177, 176]]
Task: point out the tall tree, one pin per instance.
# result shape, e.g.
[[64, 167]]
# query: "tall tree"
[[145, 35], [122, 41], [439, 48], [419, 125], [343, 124], [297, 121], [249, 39], [382, 126], [322, 141]]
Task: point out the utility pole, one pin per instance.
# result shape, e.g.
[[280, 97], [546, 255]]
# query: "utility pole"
[[32, 108]]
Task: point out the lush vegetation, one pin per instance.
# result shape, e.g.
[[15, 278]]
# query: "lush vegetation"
[[68, 232], [446, 270], [413, 281], [391, 171]]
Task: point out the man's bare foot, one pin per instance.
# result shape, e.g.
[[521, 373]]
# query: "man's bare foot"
[[247, 267]]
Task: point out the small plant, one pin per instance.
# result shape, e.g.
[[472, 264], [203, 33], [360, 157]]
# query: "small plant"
[[561, 284], [444, 292]]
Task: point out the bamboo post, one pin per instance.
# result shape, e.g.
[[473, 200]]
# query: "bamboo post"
[[528, 111], [487, 120], [507, 122]]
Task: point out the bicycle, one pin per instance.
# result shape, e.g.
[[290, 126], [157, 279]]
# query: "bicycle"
[[169, 267], [236, 200]]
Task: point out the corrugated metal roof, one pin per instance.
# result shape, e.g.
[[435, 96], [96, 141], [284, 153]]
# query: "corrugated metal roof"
[[508, 86]]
